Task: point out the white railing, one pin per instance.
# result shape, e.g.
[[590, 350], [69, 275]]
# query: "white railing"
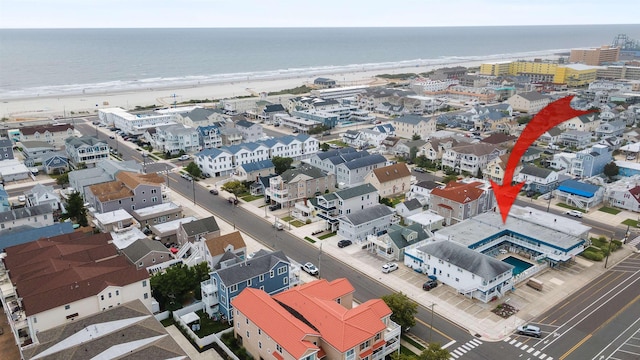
[[528, 273]]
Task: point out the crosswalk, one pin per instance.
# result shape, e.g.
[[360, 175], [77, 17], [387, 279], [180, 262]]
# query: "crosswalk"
[[634, 242], [530, 350], [464, 348]]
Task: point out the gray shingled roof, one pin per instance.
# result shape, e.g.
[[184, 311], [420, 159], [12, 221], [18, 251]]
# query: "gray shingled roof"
[[366, 161], [198, 114], [141, 247], [369, 214], [25, 212], [305, 169], [532, 96], [476, 263], [427, 184], [411, 119], [412, 204], [202, 226], [261, 263], [398, 234], [535, 171], [355, 191]]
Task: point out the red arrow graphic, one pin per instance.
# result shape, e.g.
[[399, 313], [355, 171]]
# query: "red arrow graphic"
[[550, 116]]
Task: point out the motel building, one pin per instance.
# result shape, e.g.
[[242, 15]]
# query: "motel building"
[[483, 258]]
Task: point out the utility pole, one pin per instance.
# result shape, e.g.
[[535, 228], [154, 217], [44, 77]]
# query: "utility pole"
[[319, 261], [166, 172], [431, 325], [608, 252], [193, 184]]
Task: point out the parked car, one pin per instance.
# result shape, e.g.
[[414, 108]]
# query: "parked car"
[[429, 284], [575, 213], [186, 177], [213, 191], [389, 267], [22, 198], [278, 225], [310, 269], [631, 157], [275, 207], [419, 169], [184, 157], [232, 200], [344, 243], [529, 330]]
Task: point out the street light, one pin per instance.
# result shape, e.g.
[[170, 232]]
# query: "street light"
[[608, 252]]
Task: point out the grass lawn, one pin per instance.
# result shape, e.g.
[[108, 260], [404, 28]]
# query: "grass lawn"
[[412, 342], [309, 239], [287, 218], [250, 197], [631, 222], [327, 235], [609, 210], [208, 326], [397, 200], [297, 223], [407, 352], [167, 322]]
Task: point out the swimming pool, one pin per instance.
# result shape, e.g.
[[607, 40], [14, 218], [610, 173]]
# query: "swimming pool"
[[519, 265]]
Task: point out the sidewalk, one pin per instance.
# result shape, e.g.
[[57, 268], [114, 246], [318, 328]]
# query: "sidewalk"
[[472, 315]]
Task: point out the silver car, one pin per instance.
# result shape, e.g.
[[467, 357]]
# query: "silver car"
[[389, 267]]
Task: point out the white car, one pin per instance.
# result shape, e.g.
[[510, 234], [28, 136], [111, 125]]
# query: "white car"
[[310, 269], [389, 267], [575, 213], [22, 198], [184, 157]]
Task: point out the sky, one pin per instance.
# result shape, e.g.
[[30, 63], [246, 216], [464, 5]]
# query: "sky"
[[316, 13]]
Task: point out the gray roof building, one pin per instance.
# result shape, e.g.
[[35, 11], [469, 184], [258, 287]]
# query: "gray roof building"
[[532, 96], [304, 169], [535, 171], [21, 213], [143, 247], [369, 214], [202, 226], [353, 192], [260, 263], [467, 259]]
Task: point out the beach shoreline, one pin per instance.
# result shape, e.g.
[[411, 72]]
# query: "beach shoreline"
[[88, 104]]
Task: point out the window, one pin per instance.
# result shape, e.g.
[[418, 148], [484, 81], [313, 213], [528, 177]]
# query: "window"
[[233, 288], [144, 283], [282, 270], [285, 280], [259, 344], [248, 282], [279, 348], [67, 307], [271, 274], [259, 331], [101, 297], [247, 321], [146, 295], [117, 292]]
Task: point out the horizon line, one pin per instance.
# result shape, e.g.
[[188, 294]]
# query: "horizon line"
[[308, 27]]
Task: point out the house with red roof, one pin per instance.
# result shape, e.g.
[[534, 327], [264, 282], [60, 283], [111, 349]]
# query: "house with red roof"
[[316, 320], [63, 278], [460, 200]]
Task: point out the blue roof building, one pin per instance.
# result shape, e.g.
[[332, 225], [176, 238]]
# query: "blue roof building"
[[24, 234], [579, 194]]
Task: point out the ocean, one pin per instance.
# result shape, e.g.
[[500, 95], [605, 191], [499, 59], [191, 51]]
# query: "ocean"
[[75, 61]]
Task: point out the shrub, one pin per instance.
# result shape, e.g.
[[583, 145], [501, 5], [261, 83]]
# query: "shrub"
[[593, 255]]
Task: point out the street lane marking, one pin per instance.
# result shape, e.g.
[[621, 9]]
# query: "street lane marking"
[[536, 353], [617, 337], [575, 347], [530, 350], [449, 344], [435, 329], [542, 356]]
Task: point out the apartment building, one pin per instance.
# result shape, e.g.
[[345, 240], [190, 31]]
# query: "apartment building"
[[174, 138], [390, 180], [333, 205], [86, 149], [407, 126], [595, 56], [529, 102], [130, 191], [460, 200], [54, 135], [133, 124], [305, 181]]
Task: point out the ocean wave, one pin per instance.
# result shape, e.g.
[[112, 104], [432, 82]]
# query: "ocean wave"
[[296, 72]]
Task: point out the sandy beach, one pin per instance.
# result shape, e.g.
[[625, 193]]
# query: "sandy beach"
[[44, 107]]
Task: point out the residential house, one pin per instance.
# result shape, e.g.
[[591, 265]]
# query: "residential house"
[[305, 181], [270, 272], [104, 171], [611, 129], [174, 138], [407, 126], [5, 205], [586, 122], [356, 171], [469, 272], [157, 214], [324, 83], [34, 216], [41, 194], [436, 147], [496, 168], [529, 102], [129, 191], [624, 194], [209, 136], [500, 139], [129, 330], [532, 154], [55, 163], [537, 180], [390, 246], [13, 170], [327, 160], [35, 151], [591, 162], [230, 135], [460, 200], [250, 131], [312, 321], [551, 136], [25, 233], [198, 230], [422, 190], [218, 248], [408, 208], [86, 149], [575, 138], [198, 117], [562, 162], [406, 148], [391, 180], [353, 138], [471, 157], [579, 194], [388, 143], [114, 221], [55, 135], [251, 171], [6, 149], [332, 206], [357, 225], [148, 254], [85, 275]]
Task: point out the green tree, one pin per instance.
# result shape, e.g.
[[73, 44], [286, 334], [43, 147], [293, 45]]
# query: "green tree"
[[404, 309], [402, 356], [63, 179], [281, 164], [193, 169], [413, 152], [174, 286], [434, 352], [325, 147], [386, 201], [449, 178], [479, 173], [523, 119], [416, 137], [235, 187], [76, 210], [611, 169]]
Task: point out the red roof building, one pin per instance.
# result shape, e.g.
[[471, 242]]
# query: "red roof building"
[[315, 320], [460, 200]]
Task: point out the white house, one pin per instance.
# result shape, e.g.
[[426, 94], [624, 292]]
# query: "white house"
[[624, 193], [332, 206], [537, 179], [33, 216], [471, 157], [370, 221], [354, 172], [175, 138], [407, 126], [133, 124], [529, 102], [250, 131], [86, 149], [41, 194]]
